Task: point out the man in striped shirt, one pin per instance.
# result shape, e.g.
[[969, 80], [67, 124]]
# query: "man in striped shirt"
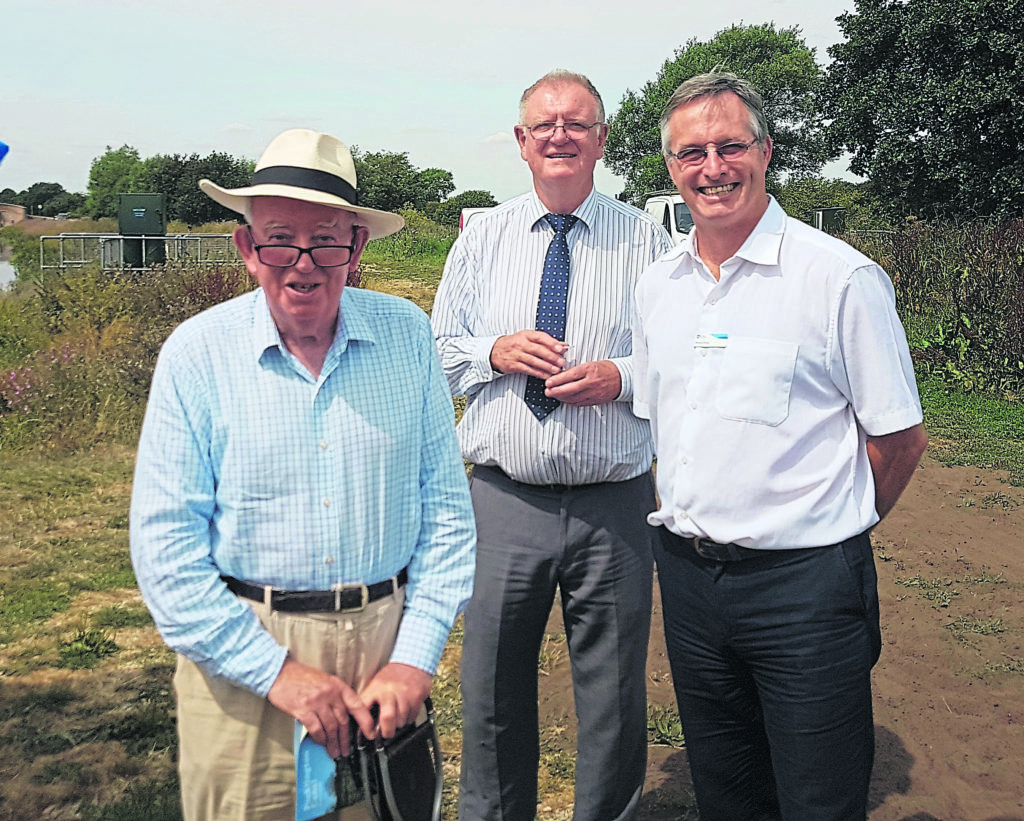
[[560, 496]]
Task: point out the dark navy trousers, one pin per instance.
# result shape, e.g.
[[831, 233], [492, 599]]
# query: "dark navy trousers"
[[771, 660]]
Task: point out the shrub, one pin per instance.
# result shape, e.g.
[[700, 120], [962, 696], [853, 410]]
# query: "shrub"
[[421, 237], [960, 287], [77, 370]]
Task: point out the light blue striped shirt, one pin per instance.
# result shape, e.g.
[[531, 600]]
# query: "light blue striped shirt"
[[250, 467], [490, 288]]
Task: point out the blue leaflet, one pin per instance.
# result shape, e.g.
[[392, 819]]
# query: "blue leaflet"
[[314, 777]]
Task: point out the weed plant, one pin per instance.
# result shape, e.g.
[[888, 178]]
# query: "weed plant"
[[79, 352], [421, 239], [960, 292]]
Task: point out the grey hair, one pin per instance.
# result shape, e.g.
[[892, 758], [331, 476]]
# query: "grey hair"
[[713, 84], [557, 77]]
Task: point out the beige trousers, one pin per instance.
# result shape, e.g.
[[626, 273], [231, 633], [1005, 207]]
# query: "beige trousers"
[[235, 756]]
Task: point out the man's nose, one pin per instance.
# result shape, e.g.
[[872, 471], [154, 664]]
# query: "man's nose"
[[560, 135], [305, 261], [714, 165]]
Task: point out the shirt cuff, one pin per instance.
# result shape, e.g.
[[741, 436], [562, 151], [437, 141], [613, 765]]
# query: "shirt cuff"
[[625, 366], [420, 642]]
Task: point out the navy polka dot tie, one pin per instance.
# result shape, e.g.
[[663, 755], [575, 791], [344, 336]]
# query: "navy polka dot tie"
[[554, 288]]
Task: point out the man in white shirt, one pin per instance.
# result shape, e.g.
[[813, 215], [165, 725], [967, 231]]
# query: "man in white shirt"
[[562, 466], [778, 381]]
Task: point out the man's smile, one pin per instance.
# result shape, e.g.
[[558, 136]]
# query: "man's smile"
[[712, 190]]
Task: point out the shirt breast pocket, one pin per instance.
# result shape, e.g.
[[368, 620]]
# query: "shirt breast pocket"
[[756, 379]]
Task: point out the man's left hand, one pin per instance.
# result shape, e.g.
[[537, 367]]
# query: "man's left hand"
[[592, 383], [399, 690]]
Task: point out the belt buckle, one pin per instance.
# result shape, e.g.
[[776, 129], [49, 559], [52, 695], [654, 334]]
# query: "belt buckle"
[[339, 589], [719, 553], [699, 548]]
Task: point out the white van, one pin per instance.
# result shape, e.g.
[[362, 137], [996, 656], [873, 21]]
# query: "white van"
[[467, 214], [668, 208]]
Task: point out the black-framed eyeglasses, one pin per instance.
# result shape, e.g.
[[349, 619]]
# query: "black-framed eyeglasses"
[[574, 131], [695, 156], [285, 256]]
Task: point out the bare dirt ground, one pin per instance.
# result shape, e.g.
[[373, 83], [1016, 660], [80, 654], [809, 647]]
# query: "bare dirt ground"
[[949, 688]]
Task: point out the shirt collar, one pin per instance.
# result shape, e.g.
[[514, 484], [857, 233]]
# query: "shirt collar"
[[586, 212], [353, 324], [761, 247]]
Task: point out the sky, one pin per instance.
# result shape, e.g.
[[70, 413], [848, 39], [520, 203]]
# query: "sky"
[[438, 80]]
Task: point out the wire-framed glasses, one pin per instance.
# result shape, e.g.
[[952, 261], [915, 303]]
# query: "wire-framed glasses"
[[573, 130], [695, 156]]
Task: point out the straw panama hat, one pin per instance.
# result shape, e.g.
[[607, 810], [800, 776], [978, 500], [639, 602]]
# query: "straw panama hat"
[[310, 166]]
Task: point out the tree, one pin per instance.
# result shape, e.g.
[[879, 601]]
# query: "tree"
[[800, 195], [433, 185], [447, 213], [928, 96], [38, 195], [192, 206], [779, 64], [177, 177], [66, 202], [118, 171], [389, 181]]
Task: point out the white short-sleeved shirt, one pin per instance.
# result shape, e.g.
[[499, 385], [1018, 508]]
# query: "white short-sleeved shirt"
[[762, 387]]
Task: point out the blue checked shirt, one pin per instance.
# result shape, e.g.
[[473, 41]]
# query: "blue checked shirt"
[[249, 467]]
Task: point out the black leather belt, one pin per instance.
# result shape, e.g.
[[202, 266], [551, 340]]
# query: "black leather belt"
[[341, 599], [716, 551]]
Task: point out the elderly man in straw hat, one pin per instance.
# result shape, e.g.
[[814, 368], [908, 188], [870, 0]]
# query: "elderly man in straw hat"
[[301, 526]]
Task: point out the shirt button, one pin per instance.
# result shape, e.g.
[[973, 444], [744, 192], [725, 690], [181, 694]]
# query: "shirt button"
[[323, 444], [693, 406], [329, 560], [327, 502]]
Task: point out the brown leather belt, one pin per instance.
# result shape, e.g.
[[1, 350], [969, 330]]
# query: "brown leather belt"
[[342, 599]]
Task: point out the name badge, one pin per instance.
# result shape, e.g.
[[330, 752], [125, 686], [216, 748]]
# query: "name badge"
[[712, 341]]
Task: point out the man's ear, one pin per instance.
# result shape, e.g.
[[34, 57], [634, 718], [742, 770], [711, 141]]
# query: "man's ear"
[[360, 236], [520, 133], [243, 242]]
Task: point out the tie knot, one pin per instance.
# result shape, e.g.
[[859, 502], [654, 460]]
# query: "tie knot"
[[561, 222]]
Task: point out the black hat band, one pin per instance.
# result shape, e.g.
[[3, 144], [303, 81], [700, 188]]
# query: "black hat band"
[[306, 178]]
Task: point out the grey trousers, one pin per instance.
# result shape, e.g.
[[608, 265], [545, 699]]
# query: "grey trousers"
[[593, 543]]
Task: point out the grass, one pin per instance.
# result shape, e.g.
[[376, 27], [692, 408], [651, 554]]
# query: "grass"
[[974, 429]]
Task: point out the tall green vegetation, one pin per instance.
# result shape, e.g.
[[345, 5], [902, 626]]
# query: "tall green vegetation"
[[78, 350], [78, 347], [777, 61], [389, 181], [449, 211], [928, 97], [960, 291], [44, 199]]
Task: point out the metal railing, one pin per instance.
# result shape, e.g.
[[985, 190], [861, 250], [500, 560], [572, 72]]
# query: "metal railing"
[[135, 252]]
